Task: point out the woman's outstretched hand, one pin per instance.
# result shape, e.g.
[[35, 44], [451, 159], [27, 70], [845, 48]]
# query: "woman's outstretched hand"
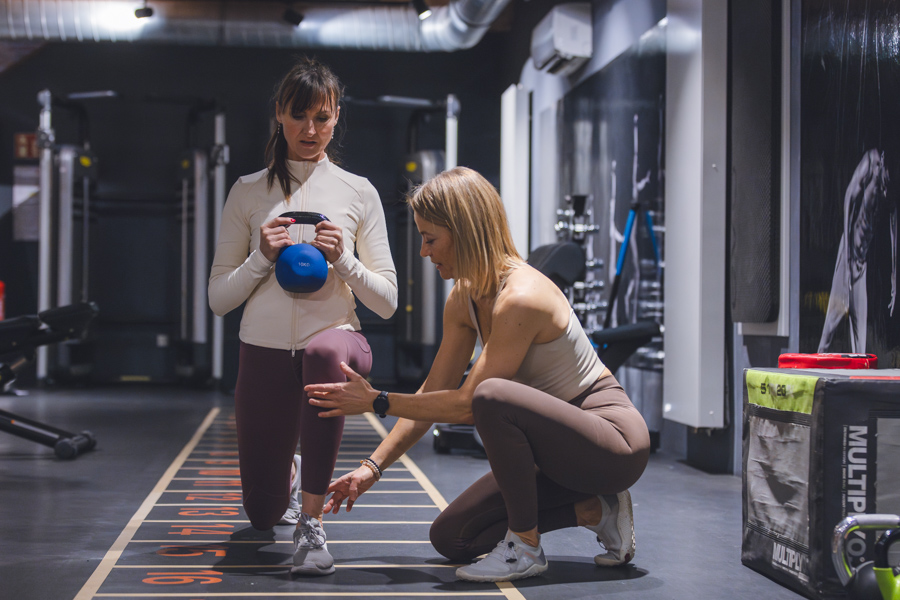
[[349, 487], [353, 397]]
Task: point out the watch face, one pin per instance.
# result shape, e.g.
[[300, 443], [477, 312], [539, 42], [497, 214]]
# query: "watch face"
[[380, 405]]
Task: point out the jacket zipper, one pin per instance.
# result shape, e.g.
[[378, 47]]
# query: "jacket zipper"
[[302, 193], [293, 304]]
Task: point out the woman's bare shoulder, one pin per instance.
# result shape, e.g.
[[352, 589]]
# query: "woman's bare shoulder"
[[529, 296], [526, 288]]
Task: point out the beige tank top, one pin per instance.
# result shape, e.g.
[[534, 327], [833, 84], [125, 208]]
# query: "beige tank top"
[[563, 367]]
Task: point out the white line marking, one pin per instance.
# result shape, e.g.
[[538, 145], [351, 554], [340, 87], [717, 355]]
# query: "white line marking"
[[103, 569]]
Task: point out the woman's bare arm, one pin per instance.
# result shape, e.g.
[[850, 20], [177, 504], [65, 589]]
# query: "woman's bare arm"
[[524, 311]]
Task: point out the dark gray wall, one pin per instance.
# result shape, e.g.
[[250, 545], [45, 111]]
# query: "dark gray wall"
[[139, 141]]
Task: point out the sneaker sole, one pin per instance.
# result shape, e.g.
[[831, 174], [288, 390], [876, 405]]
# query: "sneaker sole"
[[529, 572], [625, 524]]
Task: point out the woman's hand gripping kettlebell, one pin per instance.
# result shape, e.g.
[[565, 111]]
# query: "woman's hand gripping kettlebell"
[[303, 268], [329, 240], [274, 236]]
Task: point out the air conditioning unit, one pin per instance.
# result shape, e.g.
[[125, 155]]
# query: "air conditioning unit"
[[563, 41]]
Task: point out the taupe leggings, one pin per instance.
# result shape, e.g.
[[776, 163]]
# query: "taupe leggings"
[[545, 455], [272, 411]]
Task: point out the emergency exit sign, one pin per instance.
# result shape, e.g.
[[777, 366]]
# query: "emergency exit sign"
[[26, 147]]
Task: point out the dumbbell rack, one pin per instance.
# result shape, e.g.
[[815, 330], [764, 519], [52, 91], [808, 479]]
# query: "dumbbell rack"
[[588, 297], [575, 224]]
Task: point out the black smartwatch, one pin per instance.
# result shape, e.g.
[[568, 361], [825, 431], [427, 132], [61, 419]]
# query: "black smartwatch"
[[380, 405]]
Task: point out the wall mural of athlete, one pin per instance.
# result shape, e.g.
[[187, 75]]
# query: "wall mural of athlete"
[[865, 200]]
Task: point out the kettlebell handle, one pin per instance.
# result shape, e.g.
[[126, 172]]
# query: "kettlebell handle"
[[847, 526], [883, 545], [304, 218]]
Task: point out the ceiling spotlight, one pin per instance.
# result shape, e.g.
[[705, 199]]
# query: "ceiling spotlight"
[[293, 17], [143, 13], [421, 9]]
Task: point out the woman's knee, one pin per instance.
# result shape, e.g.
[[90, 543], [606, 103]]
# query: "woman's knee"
[[324, 351], [262, 516], [328, 349], [488, 398], [444, 536]]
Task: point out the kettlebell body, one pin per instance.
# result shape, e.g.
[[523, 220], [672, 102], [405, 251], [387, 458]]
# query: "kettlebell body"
[[863, 584], [887, 580], [887, 583], [302, 268]]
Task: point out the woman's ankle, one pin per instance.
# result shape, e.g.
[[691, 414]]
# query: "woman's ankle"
[[588, 512]]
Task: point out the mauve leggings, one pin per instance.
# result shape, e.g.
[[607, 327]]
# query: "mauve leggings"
[[272, 411], [545, 455]]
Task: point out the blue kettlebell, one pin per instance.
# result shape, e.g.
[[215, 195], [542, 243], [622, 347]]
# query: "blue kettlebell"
[[302, 268]]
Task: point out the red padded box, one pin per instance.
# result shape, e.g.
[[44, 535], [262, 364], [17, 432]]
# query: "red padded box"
[[828, 361]]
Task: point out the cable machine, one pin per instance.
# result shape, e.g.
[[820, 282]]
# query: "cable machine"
[[196, 359], [421, 291], [70, 171], [70, 208]]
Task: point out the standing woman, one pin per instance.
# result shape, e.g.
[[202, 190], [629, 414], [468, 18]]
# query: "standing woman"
[[563, 440], [289, 340]]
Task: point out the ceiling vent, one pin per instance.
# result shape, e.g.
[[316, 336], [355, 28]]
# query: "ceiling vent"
[[562, 41]]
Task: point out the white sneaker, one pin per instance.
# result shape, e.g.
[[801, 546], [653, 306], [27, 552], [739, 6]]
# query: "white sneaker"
[[292, 514], [311, 556], [615, 530], [510, 559]]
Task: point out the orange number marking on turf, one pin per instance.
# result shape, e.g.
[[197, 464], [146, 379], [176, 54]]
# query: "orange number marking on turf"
[[217, 483], [191, 551], [182, 577], [220, 472], [201, 529], [214, 497], [212, 511]]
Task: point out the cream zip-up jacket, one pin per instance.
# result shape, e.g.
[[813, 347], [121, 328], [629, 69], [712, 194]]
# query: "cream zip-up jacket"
[[274, 318]]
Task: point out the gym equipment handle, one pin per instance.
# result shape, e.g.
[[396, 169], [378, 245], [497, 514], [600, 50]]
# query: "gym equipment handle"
[[847, 526], [304, 218]]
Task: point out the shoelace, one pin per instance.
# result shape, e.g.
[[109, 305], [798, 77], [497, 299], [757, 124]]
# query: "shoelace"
[[509, 553], [312, 536]]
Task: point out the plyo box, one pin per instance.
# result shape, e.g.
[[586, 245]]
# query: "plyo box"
[[818, 445]]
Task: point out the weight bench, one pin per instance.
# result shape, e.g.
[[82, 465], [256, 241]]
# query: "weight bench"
[[564, 264], [19, 337]]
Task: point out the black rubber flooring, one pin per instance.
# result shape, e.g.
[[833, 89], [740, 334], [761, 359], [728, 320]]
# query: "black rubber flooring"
[[154, 512]]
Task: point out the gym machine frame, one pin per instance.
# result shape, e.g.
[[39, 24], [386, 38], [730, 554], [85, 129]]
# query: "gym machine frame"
[[59, 280], [19, 338], [73, 162], [422, 295], [194, 206]]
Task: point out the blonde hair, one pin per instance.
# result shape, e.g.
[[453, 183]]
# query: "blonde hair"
[[470, 207]]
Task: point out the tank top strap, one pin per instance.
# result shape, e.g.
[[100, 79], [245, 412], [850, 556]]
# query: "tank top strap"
[[474, 317]]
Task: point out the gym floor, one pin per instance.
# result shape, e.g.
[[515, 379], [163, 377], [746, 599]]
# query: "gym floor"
[[153, 511]]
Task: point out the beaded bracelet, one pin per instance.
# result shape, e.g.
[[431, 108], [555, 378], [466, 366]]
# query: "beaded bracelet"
[[371, 468], [371, 463]]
